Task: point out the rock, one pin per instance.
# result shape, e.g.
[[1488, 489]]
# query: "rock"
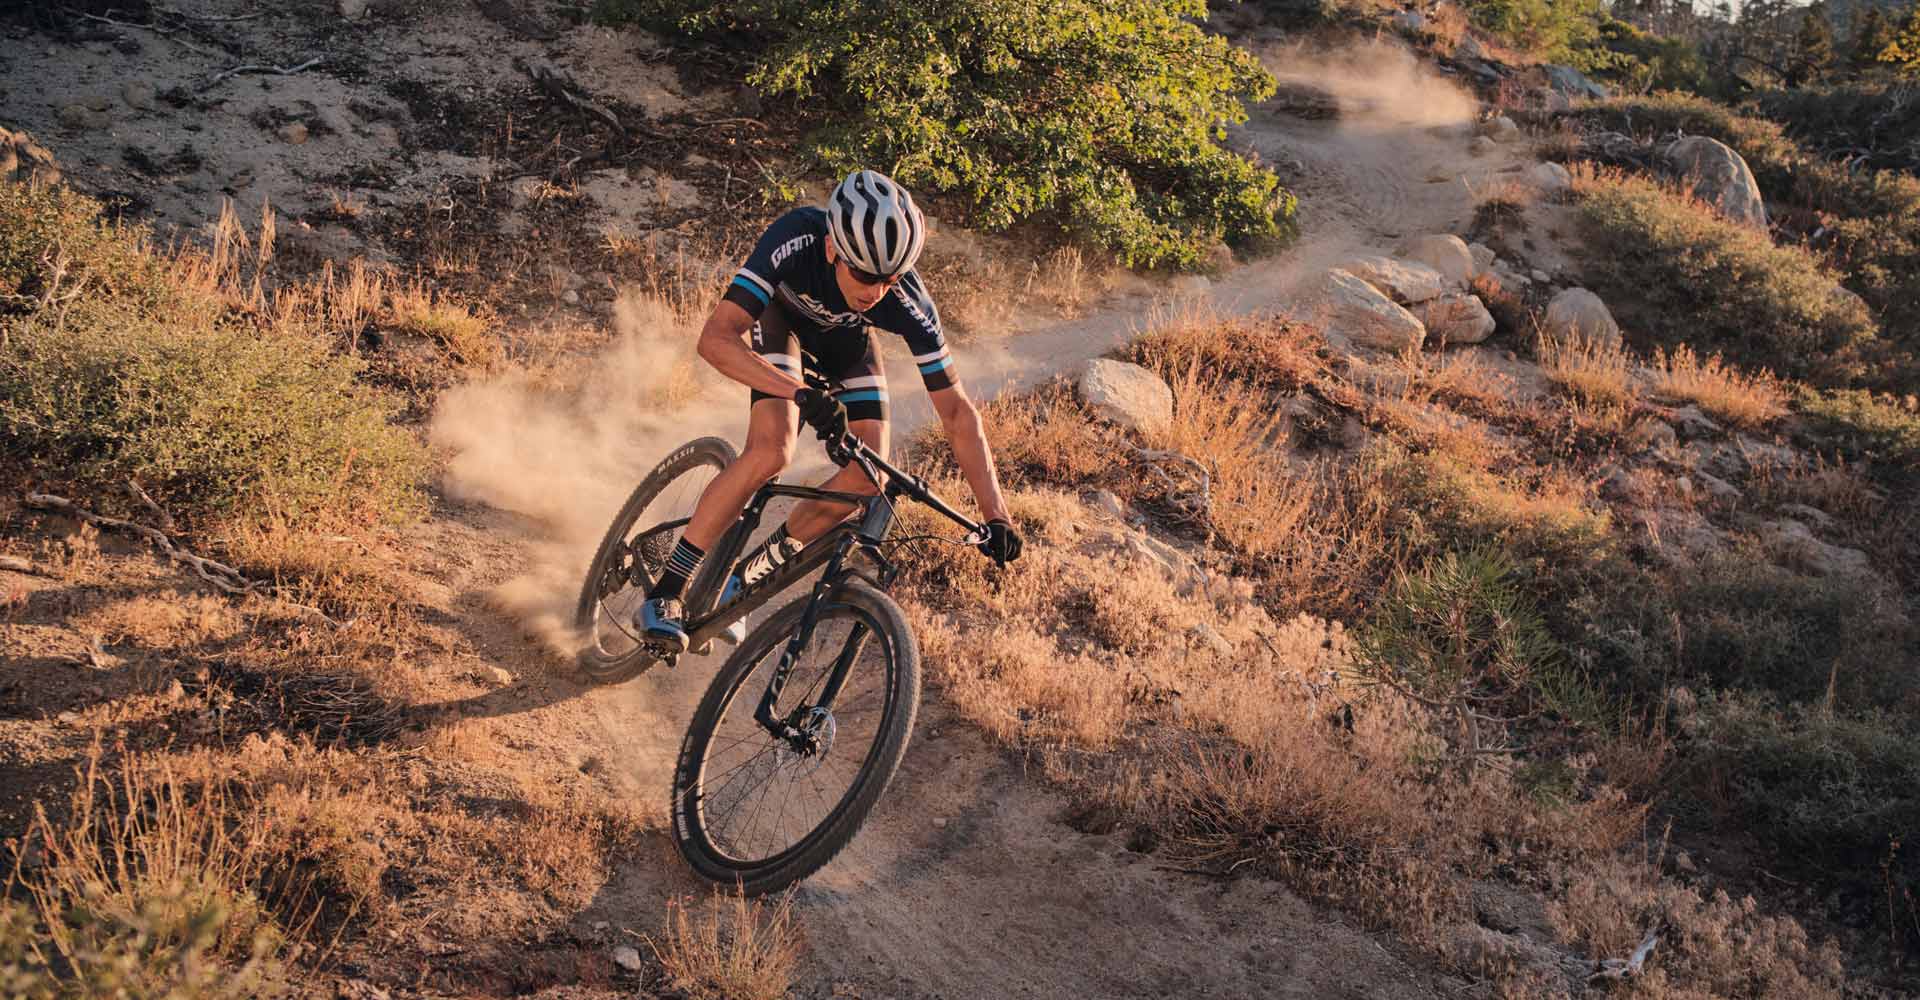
[[98, 102], [939, 822], [1797, 547], [1647, 434], [1126, 394], [1445, 253], [1204, 634], [1551, 178], [1691, 423], [1191, 286], [138, 94], [1577, 314], [1409, 22], [1362, 314], [1106, 503], [628, 957], [1457, 318], [1718, 489], [22, 159], [1541, 276], [1573, 83], [570, 297], [1808, 515], [1404, 281], [1483, 146], [293, 133], [78, 116], [352, 10], [1469, 47], [1682, 861], [1500, 128], [1483, 258], [497, 675], [1718, 176]]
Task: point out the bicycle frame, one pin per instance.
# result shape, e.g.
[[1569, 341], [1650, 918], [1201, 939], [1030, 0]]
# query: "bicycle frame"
[[861, 534]]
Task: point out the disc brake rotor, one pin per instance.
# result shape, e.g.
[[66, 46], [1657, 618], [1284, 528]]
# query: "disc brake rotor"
[[819, 723]]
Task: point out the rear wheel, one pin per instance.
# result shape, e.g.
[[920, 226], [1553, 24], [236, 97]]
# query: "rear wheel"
[[762, 812], [632, 555]]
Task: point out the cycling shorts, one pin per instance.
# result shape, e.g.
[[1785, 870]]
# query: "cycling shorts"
[[846, 357]]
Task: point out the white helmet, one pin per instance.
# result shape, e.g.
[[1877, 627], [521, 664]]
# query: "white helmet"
[[875, 224]]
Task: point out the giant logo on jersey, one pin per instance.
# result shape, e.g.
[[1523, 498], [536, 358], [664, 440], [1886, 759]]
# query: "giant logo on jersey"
[[818, 311]]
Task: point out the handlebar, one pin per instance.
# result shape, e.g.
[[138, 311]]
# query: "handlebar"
[[851, 448]]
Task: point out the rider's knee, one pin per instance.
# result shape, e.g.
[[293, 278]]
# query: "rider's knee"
[[767, 458]]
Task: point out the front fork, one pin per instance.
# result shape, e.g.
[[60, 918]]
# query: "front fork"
[[803, 740]]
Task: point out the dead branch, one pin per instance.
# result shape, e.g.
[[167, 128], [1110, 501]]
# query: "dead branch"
[[160, 515], [1627, 968], [556, 83], [210, 18], [262, 70], [1194, 501], [220, 576], [166, 33], [15, 564]]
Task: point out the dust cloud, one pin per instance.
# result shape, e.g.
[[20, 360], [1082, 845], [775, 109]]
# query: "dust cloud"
[[1378, 84]]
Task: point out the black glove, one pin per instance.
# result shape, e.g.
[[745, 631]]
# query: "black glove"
[[825, 414], [1002, 544]]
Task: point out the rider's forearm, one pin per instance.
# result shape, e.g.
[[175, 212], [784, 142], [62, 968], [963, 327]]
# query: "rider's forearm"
[[975, 458], [723, 345]]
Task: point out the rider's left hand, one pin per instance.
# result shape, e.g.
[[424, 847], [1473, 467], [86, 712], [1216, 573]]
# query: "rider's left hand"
[[1002, 544]]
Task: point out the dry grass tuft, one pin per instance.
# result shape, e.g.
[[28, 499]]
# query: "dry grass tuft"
[[1597, 377], [1743, 400], [464, 332], [739, 950]]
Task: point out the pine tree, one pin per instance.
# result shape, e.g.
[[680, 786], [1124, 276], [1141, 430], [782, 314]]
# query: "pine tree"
[[1813, 45], [1903, 51], [1870, 38]]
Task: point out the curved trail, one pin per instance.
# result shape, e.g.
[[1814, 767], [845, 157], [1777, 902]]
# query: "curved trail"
[[966, 883]]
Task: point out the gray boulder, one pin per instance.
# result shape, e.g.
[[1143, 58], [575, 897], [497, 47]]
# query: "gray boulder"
[[1457, 318], [1444, 253], [1550, 178], [1796, 546], [1126, 394], [1365, 316], [22, 159], [1483, 258], [1405, 281], [1409, 22], [1718, 176], [1578, 315], [1500, 128], [1573, 83]]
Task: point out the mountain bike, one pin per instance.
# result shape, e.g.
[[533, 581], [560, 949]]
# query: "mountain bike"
[[808, 719]]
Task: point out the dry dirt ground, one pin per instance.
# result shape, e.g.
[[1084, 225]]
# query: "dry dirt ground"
[[419, 133]]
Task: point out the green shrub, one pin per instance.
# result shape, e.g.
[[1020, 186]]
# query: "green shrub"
[[1747, 625], [140, 377], [1551, 29], [1829, 791], [1876, 428], [1637, 61], [1880, 118], [1681, 274], [1463, 637], [1106, 116]]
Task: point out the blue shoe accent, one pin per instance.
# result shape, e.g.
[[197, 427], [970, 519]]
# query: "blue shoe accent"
[[660, 620]]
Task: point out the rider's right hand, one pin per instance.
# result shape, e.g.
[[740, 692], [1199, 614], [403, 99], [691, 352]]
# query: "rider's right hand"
[[825, 414]]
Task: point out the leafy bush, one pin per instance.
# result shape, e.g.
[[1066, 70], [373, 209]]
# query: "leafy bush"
[[1106, 116], [1868, 426], [1682, 274], [1879, 117], [1550, 29], [1830, 790], [1638, 61], [116, 368]]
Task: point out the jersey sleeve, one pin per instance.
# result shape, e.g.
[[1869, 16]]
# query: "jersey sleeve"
[[911, 315], [752, 286]]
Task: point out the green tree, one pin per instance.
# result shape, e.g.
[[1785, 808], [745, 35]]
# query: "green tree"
[[1813, 47], [1870, 38], [1105, 114], [1903, 50]]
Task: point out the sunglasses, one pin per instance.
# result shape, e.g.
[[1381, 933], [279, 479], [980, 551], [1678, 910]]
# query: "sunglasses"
[[869, 279]]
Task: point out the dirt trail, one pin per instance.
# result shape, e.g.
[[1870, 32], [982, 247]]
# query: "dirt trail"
[[967, 882]]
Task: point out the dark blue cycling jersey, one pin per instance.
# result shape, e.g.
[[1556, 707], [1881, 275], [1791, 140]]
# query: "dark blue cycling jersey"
[[790, 264]]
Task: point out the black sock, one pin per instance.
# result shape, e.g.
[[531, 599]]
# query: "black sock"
[[778, 549], [680, 565]]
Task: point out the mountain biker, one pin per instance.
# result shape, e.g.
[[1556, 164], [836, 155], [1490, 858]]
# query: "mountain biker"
[[815, 282]]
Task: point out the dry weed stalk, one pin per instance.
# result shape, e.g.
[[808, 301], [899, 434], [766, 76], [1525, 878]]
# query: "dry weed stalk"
[[1746, 401], [740, 950]]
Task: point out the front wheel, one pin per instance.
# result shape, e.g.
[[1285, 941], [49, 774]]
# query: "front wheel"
[[762, 811], [632, 555]]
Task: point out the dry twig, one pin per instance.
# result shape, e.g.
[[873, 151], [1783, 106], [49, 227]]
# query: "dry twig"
[[1194, 500], [220, 576], [16, 564], [265, 70], [1627, 968]]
